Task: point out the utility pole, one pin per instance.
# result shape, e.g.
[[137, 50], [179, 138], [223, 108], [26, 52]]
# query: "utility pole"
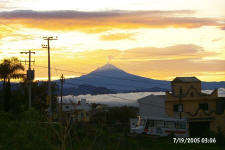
[[62, 80], [30, 75], [180, 106], [48, 39]]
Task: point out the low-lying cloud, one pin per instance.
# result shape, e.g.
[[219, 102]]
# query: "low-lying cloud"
[[123, 99]]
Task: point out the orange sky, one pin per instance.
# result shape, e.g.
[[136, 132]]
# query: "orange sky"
[[150, 38]]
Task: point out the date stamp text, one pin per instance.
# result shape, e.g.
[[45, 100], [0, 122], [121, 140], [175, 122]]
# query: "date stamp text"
[[194, 140]]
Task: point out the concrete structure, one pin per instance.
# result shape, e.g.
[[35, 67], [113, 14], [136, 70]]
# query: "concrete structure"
[[77, 111], [201, 109], [152, 106], [153, 119]]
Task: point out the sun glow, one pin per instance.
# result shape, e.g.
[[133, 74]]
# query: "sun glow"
[[152, 38]]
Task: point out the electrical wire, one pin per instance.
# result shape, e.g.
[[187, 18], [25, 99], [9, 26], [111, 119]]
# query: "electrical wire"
[[111, 77], [88, 90]]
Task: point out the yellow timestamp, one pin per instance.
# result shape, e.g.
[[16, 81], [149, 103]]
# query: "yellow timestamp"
[[197, 140]]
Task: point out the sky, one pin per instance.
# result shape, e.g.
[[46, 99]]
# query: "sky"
[[159, 39]]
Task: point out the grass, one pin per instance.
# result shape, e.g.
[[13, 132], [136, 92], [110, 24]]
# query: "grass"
[[27, 133]]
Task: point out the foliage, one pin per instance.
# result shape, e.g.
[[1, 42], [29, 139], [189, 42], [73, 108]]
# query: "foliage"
[[32, 131], [115, 115], [39, 92], [24, 132], [9, 69]]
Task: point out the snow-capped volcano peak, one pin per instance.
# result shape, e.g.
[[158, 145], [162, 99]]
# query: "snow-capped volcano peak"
[[107, 67], [108, 70]]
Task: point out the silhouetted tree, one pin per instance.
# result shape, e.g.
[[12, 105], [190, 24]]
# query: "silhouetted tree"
[[9, 69], [39, 94]]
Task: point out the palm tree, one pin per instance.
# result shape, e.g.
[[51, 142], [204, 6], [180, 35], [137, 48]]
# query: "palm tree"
[[9, 69]]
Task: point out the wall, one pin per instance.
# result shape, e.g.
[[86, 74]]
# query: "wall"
[[191, 105]]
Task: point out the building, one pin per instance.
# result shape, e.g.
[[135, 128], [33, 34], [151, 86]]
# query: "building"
[[77, 111], [205, 112], [153, 119], [152, 106]]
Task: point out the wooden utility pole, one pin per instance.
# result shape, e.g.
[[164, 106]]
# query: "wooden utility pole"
[[62, 80], [30, 75], [48, 39], [180, 106]]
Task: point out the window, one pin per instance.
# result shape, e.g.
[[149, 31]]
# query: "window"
[[81, 114], [175, 108], [170, 124], [151, 123], [183, 125], [159, 123], [181, 91], [180, 125], [203, 106], [159, 130], [192, 94], [178, 108]]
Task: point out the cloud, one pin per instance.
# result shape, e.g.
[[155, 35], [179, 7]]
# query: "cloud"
[[6, 5], [159, 63], [117, 36], [182, 51], [100, 21], [70, 14], [145, 54], [12, 32], [117, 100], [2, 5], [222, 28], [217, 39], [177, 58]]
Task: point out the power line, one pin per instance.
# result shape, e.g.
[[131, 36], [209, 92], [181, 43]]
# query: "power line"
[[30, 75], [115, 84], [13, 29], [117, 78], [48, 39], [88, 90]]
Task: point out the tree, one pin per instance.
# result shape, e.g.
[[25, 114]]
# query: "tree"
[[9, 69], [39, 94]]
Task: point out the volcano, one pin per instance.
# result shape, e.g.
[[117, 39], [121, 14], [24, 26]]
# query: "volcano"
[[110, 79]]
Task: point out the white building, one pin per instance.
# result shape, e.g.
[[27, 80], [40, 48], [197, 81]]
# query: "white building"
[[71, 106], [78, 111], [152, 106]]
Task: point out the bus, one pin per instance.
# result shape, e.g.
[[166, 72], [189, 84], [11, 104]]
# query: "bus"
[[160, 126]]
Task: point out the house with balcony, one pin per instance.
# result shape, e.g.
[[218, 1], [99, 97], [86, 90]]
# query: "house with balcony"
[[205, 112]]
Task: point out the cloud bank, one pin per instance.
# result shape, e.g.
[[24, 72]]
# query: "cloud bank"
[[100, 21], [123, 99]]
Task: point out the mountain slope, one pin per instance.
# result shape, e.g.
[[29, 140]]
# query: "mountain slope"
[[114, 78]]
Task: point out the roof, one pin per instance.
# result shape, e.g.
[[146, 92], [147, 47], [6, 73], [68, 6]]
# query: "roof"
[[186, 79], [151, 99]]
